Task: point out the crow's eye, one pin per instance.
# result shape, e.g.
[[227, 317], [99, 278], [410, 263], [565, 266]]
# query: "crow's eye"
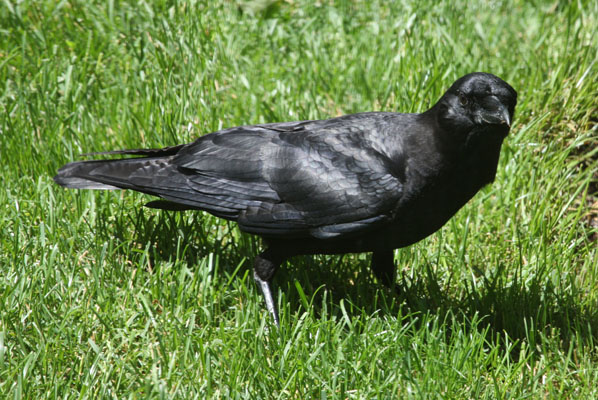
[[463, 99]]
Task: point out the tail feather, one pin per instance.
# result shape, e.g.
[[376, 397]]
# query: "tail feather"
[[110, 174], [102, 174], [76, 175], [162, 152]]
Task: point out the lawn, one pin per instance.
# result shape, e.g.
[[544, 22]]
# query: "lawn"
[[102, 298]]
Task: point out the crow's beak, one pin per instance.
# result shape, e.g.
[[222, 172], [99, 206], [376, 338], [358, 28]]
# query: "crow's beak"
[[505, 117], [494, 112]]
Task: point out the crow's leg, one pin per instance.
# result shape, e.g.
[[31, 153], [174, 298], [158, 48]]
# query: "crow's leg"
[[267, 293], [383, 265], [264, 267]]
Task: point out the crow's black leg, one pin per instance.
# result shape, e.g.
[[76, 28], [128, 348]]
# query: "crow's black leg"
[[264, 267], [383, 265]]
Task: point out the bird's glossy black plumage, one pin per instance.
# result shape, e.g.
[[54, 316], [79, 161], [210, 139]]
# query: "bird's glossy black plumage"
[[367, 182]]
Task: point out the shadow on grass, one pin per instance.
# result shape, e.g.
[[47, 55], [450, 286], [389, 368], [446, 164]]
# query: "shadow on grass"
[[170, 236], [524, 312], [506, 308]]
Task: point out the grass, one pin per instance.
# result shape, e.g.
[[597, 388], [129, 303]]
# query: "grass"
[[100, 298]]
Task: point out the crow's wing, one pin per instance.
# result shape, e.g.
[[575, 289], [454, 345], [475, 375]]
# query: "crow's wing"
[[316, 178]]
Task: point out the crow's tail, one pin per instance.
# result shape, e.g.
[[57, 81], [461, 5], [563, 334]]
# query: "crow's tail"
[[112, 174]]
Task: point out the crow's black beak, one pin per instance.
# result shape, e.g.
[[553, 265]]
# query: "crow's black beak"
[[494, 112], [505, 117]]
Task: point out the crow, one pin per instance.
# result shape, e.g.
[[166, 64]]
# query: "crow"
[[365, 182]]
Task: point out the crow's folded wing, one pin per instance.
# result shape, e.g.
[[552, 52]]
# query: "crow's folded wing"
[[292, 179]]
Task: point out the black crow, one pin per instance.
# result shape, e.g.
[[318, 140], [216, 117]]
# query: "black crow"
[[366, 182]]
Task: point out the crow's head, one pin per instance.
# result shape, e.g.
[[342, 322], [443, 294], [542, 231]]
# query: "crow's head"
[[478, 100]]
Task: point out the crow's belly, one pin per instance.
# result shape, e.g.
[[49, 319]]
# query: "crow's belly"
[[392, 236], [416, 221]]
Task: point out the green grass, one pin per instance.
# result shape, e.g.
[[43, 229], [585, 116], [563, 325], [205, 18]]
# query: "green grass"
[[100, 298]]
